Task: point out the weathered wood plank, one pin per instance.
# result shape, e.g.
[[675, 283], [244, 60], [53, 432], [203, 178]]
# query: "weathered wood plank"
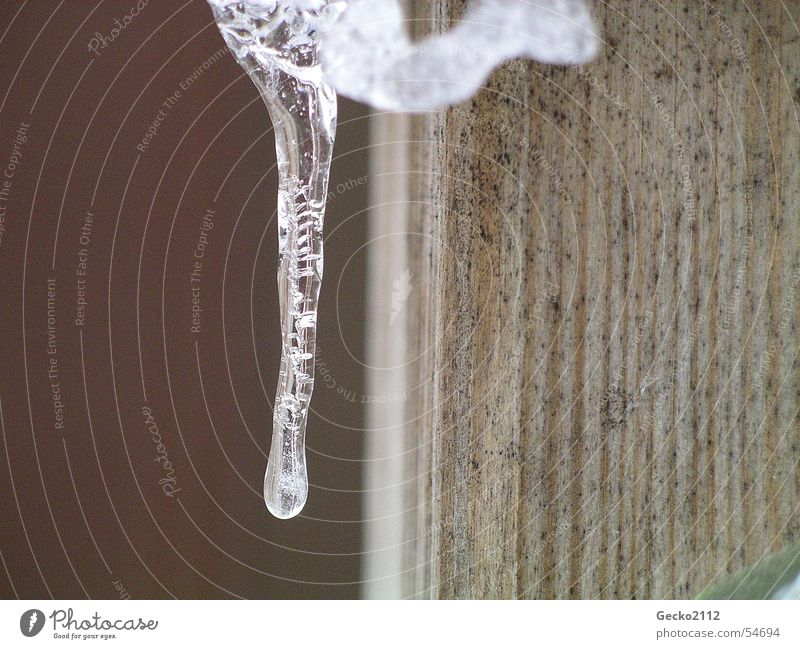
[[604, 315]]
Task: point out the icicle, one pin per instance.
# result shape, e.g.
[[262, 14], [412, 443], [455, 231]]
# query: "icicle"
[[276, 42]]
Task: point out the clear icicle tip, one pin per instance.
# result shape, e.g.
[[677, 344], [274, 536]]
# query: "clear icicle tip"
[[285, 491]]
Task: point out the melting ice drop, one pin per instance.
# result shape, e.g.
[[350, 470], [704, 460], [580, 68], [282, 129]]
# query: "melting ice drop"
[[276, 43]]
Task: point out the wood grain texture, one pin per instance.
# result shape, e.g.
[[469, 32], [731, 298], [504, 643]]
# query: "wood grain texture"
[[604, 396]]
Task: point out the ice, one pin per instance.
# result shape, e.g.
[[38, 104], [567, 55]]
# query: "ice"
[[369, 56]]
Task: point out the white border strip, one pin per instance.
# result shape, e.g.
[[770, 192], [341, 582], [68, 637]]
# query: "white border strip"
[[385, 374]]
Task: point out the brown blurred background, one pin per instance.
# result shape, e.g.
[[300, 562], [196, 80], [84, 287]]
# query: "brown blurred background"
[[101, 357]]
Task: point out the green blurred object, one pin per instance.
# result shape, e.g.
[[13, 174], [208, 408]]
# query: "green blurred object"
[[770, 578]]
